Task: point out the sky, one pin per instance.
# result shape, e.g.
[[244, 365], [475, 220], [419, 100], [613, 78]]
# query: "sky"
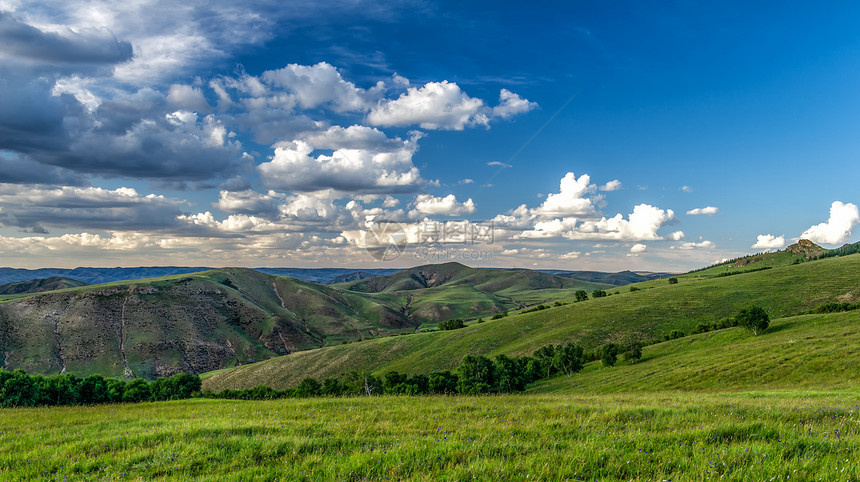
[[661, 136]]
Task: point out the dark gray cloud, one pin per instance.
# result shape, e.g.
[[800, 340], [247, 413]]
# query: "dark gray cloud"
[[41, 207], [17, 170], [91, 46]]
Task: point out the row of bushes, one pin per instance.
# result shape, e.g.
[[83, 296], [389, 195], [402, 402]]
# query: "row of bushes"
[[833, 308], [18, 389]]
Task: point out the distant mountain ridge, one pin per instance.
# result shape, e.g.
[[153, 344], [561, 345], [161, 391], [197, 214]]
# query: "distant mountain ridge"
[[315, 275], [620, 278], [40, 285]]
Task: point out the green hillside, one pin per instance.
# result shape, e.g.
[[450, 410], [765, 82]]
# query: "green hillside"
[[800, 252], [652, 310], [801, 352], [435, 293]]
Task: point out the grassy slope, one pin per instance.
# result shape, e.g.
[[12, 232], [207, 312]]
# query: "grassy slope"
[[808, 352], [653, 436], [656, 309]]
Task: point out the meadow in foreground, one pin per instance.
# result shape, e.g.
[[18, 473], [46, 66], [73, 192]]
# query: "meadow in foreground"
[[655, 436]]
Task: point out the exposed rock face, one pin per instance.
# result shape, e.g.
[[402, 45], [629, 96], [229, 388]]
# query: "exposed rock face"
[[806, 248]]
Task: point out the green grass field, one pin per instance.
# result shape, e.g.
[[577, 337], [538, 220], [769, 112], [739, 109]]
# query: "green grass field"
[[787, 435]]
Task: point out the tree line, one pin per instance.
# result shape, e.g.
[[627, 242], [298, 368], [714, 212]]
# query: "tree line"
[[475, 375], [19, 389]]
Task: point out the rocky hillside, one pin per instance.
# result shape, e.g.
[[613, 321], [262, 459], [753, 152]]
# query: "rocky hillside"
[[193, 323]]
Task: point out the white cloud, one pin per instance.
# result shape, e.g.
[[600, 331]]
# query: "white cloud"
[[638, 248], [709, 210], [837, 229], [364, 160], [436, 105], [769, 241], [444, 106], [447, 206], [701, 244], [498, 163], [315, 85], [571, 199], [611, 186], [686, 188], [511, 104], [677, 236], [642, 225]]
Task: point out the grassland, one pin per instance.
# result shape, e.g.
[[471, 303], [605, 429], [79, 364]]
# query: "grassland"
[[804, 352], [653, 311], [655, 436]]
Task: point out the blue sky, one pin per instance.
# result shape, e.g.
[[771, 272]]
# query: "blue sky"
[[637, 135]]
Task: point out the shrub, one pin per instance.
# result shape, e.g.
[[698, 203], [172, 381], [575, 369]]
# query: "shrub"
[[754, 318], [609, 354], [453, 324], [580, 295], [598, 294], [673, 281], [632, 351]]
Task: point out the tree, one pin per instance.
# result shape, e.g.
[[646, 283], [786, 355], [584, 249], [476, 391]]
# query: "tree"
[[420, 383], [18, 390], [442, 383], [581, 295], [136, 390], [390, 380], [598, 294], [68, 389], [673, 281], [510, 376], [475, 374], [754, 318], [309, 387], [331, 387], [115, 389], [545, 357], [633, 351], [452, 324], [93, 390], [568, 359], [185, 385], [609, 354]]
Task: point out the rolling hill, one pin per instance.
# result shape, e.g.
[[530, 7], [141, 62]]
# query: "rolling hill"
[[439, 292], [649, 311], [40, 285], [220, 318]]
